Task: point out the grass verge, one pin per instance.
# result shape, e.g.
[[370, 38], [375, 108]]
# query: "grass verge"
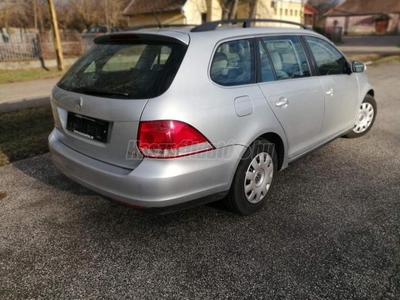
[[24, 133], [387, 59], [25, 75], [376, 59]]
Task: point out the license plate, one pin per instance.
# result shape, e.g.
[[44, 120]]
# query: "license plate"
[[90, 128]]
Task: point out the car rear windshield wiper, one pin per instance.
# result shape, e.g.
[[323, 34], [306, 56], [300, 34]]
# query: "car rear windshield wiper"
[[99, 92]]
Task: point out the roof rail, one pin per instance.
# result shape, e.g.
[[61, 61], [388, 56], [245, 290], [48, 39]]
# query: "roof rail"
[[246, 23], [157, 26]]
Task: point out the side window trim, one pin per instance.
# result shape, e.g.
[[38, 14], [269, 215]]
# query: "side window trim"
[[256, 60], [260, 41], [310, 57]]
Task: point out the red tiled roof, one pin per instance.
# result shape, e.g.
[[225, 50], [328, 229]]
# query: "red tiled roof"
[[138, 7], [365, 7], [308, 9]]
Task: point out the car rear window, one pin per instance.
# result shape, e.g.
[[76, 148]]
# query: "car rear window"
[[134, 70]]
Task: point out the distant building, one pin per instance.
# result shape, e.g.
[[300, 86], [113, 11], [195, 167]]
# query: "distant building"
[[365, 16], [288, 10], [142, 12], [309, 15]]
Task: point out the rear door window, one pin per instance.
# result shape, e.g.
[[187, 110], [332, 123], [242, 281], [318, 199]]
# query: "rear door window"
[[286, 55], [233, 63], [133, 71]]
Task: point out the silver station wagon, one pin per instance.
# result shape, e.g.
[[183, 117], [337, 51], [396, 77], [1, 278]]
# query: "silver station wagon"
[[166, 118]]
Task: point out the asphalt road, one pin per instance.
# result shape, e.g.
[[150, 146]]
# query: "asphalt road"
[[330, 231]]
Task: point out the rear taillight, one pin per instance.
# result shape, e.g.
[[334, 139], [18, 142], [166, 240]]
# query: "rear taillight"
[[169, 139]]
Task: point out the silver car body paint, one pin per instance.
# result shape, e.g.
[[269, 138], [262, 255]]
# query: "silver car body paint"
[[230, 117]]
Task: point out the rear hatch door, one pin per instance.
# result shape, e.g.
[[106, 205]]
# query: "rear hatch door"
[[97, 105]]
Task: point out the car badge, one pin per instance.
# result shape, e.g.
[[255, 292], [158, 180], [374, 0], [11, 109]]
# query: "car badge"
[[79, 103]]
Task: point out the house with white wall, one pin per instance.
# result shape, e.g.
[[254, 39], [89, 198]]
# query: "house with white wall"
[[143, 12], [360, 17]]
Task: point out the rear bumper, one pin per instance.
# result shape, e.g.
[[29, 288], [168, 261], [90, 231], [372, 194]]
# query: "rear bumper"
[[156, 184]]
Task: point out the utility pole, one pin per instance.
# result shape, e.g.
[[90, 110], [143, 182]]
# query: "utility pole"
[[35, 14], [56, 36]]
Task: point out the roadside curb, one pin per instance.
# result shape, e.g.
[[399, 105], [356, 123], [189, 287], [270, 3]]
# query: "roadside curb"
[[24, 103]]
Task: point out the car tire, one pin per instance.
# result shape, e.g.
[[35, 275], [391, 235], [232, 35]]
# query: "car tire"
[[365, 118], [253, 178]]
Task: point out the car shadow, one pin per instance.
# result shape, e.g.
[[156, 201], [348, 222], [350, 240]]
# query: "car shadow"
[[95, 209], [42, 169]]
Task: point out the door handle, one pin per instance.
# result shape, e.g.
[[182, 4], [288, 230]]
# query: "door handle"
[[283, 102], [330, 92]]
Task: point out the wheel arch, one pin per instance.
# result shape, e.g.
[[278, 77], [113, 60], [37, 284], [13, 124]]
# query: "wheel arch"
[[279, 146], [371, 92]]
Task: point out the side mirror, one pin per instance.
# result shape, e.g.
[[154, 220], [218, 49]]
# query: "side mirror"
[[358, 67]]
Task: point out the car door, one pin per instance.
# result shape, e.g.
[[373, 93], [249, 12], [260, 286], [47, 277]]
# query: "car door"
[[340, 87], [295, 96]]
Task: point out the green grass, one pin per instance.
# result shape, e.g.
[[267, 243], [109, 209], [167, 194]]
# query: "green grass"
[[25, 75], [388, 59], [24, 133], [364, 57], [376, 59]]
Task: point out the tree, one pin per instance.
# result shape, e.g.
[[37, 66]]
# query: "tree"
[[253, 8], [17, 13], [81, 14], [229, 8], [87, 11], [112, 10]]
